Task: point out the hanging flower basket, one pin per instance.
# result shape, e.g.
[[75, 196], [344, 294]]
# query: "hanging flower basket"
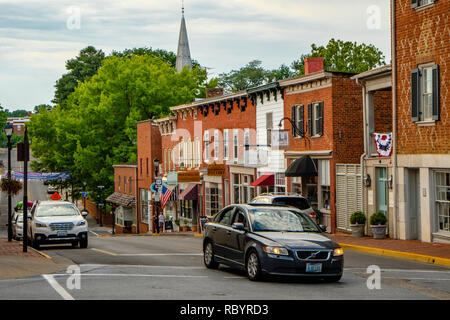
[[11, 186]]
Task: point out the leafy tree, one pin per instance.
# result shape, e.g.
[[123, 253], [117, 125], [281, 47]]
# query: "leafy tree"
[[343, 56], [251, 75], [39, 106], [84, 66]]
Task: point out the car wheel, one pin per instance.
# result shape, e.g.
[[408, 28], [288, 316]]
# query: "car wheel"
[[84, 243], [333, 279], [35, 244], [208, 256], [253, 266]]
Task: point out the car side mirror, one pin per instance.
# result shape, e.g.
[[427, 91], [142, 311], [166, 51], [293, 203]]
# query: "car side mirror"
[[238, 226], [323, 228], [84, 214]]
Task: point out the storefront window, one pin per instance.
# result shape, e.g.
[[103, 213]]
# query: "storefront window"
[[324, 172], [144, 205], [242, 191], [443, 200], [213, 199]]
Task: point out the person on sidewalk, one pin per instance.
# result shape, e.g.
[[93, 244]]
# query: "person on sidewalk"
[[162, 219], [156, 223]]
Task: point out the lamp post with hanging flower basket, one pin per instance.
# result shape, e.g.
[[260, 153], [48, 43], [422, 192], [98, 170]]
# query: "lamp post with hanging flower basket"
[[11, 186], [8, 132]]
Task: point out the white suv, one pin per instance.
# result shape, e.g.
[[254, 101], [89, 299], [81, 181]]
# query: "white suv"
[[57, 222]]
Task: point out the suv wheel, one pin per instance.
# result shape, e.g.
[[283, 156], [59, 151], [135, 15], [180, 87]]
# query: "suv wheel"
[[253, 266], [208, 256], [35, 244], [84, 243]]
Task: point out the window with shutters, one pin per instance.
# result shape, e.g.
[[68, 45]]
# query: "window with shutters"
[[421, 3], [206, 138], [269, 127], [315, 119], [425, 93], [225, 144]]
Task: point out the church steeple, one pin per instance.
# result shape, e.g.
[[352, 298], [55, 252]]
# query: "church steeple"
[[183, 53]]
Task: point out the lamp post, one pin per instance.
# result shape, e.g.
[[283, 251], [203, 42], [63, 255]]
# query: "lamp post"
[[156, 165], [84, 198], [8, 131]]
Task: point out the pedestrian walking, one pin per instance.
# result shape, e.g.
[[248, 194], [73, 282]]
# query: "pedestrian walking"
[[161, 222], [156, 224]]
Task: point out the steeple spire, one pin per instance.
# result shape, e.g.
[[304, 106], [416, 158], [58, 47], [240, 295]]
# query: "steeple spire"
[[183, 52]]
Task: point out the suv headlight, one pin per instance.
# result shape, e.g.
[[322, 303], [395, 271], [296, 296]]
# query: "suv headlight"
[[41, 225], [277, 250], [81, 223]]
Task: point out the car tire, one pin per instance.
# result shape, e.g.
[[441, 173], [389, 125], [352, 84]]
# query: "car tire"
[[208, 256], [253, 266], [84, 243], [333, 279], [35, 244]]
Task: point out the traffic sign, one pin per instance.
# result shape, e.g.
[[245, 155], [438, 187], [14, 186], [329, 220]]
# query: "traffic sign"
[[84, 194]]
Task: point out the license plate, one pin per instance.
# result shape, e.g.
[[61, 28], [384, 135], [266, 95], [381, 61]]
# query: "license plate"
[[62, 233], [313, 267]]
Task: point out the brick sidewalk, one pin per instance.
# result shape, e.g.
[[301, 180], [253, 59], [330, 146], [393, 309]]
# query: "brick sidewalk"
[[15, 248], [409, 246]]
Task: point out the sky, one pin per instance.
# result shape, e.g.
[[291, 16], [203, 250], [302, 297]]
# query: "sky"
[[38, 37]]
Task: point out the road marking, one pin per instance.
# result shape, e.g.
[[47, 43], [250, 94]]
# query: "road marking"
[[104, 251], [157, 254], [60, 290], [138, 266], [401, 270], [94, 233], [128, 275]]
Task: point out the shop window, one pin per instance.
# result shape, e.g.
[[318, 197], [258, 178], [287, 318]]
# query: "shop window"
[[324, 172], [144, 205], [442, 201]]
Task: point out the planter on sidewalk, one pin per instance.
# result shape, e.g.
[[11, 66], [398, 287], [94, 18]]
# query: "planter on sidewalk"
[[378, 224], [357, 224]]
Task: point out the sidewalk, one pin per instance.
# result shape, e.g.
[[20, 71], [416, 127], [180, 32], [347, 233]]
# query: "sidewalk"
[[14, 263], [435, 253]]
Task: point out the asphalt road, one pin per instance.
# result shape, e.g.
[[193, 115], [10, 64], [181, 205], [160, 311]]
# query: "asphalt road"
[[171, 267]]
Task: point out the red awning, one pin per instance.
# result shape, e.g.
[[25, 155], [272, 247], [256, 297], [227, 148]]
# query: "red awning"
[[267, 179], [190, 193]]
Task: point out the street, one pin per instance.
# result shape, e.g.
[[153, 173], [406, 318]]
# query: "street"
[[170, 267]]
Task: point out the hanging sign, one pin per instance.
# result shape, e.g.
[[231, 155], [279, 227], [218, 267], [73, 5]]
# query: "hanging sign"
[[280, 138], [383, 142], [216, 169]]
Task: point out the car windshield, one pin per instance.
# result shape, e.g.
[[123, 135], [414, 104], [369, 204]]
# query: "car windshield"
[[281, 220], [57, 209], [300, 203]]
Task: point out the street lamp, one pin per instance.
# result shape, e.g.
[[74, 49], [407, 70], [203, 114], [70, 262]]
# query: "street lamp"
[[84, 193], [156, 164], [8, 131]]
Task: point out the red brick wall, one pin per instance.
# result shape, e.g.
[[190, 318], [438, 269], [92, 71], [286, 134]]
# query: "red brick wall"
[[125, 172], [149, 147], [93, 211], [382, 101], [422, 36]]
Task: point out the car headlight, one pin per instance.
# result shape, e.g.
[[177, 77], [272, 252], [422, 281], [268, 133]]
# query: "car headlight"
[[338, 252], [81, 223], [277, 250], [40, 225]]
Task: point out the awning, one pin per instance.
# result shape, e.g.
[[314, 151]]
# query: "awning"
[[190, 193], [302, 167], [267, 179], [122, 200]]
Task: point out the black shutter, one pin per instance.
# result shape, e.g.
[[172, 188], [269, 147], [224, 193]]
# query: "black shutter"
[[301, 120], [415, 95], [310, 120], [293, 119], [435, 72], [414, 3], [321, 118]]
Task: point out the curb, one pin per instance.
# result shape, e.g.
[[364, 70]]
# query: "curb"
[[41, 253], [399, 254]]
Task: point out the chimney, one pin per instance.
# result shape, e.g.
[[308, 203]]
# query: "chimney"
[[313, 64], [214, 92]]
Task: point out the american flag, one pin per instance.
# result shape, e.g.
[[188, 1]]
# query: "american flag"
[[165, 195]]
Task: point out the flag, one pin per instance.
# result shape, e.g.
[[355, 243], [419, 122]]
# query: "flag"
[[165, 195], [383, 143]]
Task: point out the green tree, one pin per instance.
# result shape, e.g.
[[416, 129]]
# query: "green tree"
[[343, 56], [251, 75], [80, 68]]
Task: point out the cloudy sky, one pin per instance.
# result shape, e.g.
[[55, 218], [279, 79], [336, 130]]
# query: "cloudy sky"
[[37, 37]]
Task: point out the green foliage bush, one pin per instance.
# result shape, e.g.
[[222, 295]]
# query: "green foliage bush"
[[378, 218], [358, 217]]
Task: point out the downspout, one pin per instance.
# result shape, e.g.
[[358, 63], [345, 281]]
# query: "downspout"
[[137, 201], [361, 160], [394, 117]]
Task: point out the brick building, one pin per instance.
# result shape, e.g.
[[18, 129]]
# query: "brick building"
[[326, 106], [421, 58], [124, 198]]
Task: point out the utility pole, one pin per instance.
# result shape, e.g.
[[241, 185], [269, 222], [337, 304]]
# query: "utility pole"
[[8, 131], [26, 157]]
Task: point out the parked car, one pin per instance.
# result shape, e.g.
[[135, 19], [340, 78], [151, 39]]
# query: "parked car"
[[51, 190], [57, 222], [269, 239], [296, 201]]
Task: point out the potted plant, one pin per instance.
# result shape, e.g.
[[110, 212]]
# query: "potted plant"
[[184, 227], [11, 186], [378, 224], [177, 223], [357, 223]]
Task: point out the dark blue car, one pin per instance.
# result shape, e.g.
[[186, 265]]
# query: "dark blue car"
[[267, 239]]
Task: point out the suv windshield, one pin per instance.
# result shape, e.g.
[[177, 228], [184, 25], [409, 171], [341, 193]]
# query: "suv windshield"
[[300, 203], [281, 220], [57, 209]]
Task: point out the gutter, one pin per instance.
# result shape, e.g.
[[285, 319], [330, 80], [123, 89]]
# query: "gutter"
[[394, 117], [361, 160]]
